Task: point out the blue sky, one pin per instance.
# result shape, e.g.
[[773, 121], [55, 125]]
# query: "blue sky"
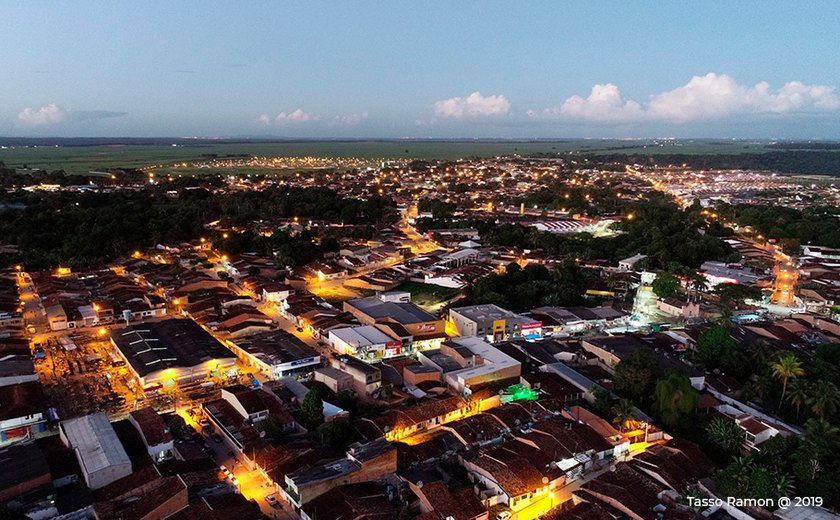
[[421, 69]]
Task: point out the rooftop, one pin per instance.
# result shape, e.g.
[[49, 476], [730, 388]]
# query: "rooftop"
[[402, 313], [95, 442], [172, 343]]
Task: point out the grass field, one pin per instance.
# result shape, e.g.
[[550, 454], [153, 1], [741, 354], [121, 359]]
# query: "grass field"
[[427, 295], [82, 159]]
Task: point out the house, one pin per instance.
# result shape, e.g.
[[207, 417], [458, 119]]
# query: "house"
[[334, 379], [361, 501], [362, 463], [22, 411], [366, 378], [459, 504], [25, 470], [159, 442]]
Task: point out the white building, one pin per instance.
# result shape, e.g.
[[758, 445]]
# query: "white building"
[[101, 456], [366, 342]]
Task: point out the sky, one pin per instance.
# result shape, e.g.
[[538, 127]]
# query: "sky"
[[430, 69]]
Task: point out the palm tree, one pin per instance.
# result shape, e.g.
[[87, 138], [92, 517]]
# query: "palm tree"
[[726, 434], [821, 434], [787, 367], [625, 414], [825, 398], [784, 486], [799, 394]]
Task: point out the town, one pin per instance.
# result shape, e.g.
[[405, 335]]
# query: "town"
[[506, 338]]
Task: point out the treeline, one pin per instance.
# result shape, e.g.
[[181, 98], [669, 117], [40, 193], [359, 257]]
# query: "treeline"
[[817, 225], [662, 231], [91, 229], [520, 289], [815, 161]]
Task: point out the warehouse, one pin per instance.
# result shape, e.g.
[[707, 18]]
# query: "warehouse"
[[172, 352], [101, 456]]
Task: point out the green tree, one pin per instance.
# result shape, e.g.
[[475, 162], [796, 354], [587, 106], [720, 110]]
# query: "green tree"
[[725, 434], [825, 398], [312, 409], [715, 347], [624, 412], [665, 285], [635, 374], [674, 398], [798, 394], [785, 368]]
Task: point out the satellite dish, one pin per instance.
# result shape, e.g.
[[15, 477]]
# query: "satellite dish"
[[612, 468]]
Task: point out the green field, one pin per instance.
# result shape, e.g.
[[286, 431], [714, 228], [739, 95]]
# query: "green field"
[[82, 159], [427, 295]]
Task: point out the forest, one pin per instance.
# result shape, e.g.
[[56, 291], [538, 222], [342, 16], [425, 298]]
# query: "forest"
[[90, 229]]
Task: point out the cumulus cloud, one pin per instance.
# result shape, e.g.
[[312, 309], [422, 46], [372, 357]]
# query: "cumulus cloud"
[[713, 96], [53, 114], [474, 105], [298, 116], [350, 119], [45, 115], [285, 118]]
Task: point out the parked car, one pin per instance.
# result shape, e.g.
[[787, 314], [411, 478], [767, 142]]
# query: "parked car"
[[272, 501], [216, 437]]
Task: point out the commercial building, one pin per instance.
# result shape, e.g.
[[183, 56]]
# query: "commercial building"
[[367, 343], [171, 352], [276, 354], [491, 364], [101, 456], [426, 329], [492, 323]]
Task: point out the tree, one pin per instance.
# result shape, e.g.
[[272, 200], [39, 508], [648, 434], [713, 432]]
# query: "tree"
[[725, 434], [715, 347], [674, 398], [825, 398], [787, 367], [335, 433], [734, 294], [625, 414], [312, 409], [665, 285], [635, 373], [798, 394]]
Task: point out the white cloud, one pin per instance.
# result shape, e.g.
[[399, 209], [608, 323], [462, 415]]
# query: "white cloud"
[[350, 119], [45, 115], [713, 96], [287, 118], [603, 103], [474, 105], [298, 116]]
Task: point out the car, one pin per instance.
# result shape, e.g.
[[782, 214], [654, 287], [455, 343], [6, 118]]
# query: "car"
[[216, 437], [225, 470], [272, 500], [234, 480], [299, 329], [504, 515]]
